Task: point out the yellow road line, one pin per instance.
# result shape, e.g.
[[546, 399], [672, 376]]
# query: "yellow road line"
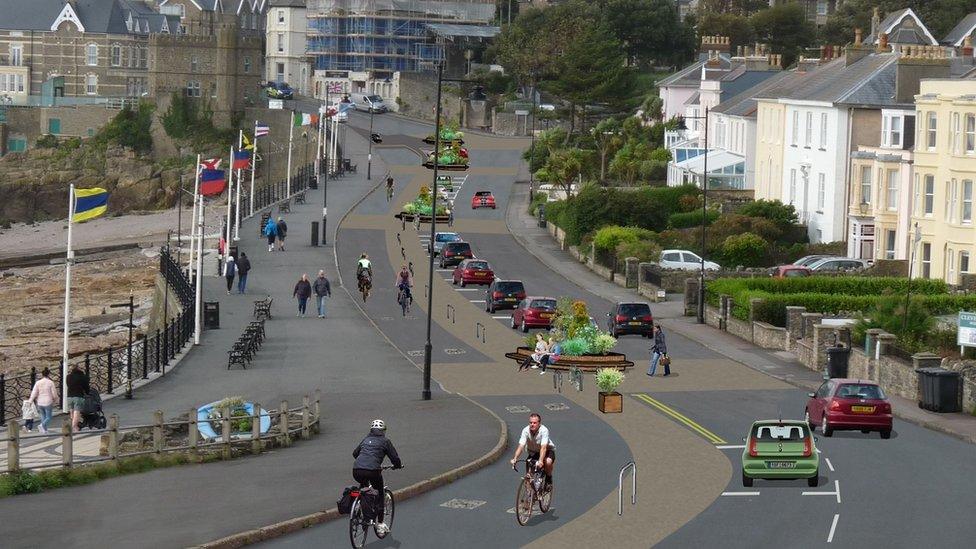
[[708, 435]]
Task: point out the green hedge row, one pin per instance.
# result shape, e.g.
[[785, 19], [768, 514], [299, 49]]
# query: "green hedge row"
[[846, 285], [691, 219]]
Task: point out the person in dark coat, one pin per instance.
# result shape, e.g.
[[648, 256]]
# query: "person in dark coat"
[[243, 267], [77, 382], [368, 469], [322, 290], [282, 233], [230, 270], [303, 291], [660, 349]]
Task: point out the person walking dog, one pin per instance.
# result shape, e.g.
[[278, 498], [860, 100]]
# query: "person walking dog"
[[322, 290], [303, 291], [243, 267], [659, 353], [271, 231]]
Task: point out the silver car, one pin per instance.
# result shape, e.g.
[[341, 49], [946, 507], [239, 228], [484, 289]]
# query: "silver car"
[[839, 264], [443, 238]]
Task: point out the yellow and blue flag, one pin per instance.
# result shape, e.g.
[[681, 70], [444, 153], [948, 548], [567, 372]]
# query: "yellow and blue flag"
[[89, 204]]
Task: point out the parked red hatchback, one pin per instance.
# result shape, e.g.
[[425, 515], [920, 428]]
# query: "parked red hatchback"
[[483, 199], [791, 271], [534, 312], [473, 271], [851, 405]]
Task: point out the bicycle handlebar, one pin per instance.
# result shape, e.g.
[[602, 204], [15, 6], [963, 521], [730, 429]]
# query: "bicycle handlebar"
[[392, 467]]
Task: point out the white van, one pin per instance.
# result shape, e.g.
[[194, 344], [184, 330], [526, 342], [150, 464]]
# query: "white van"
[[368, 102]]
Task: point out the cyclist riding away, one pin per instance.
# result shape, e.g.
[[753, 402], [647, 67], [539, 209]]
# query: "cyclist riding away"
[[541, 449], [368, 469], [404, 281], [363, 266]]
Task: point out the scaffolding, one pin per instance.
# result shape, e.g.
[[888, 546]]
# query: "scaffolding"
[[385, 35]]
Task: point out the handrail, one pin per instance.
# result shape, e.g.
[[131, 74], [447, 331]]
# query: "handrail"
[[479, 331], [620, 487]]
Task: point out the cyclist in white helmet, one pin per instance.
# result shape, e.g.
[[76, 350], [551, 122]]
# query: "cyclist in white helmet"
[[368, 469]]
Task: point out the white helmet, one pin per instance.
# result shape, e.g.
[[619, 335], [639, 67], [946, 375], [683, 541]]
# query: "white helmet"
[[378, 424]]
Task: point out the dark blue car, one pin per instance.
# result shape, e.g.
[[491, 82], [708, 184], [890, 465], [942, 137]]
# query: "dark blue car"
[[279, 90]]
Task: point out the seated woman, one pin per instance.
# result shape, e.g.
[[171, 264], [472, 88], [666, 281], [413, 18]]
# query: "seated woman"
[[541, 351], [552, 355]]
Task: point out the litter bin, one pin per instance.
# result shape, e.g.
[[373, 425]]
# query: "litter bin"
[[837, 360], [315, 233], [542, 216], [234, 249], [211, 315], [939, 390]]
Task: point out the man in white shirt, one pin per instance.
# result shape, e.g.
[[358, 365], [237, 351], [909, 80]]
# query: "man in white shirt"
[[541, 448]]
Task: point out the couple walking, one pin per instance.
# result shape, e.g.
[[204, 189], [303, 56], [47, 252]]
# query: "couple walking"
[[303, 291], [238, 268], [276, 231]]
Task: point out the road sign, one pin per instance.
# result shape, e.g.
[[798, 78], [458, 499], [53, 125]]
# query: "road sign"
[[967, 329], [276, 104]]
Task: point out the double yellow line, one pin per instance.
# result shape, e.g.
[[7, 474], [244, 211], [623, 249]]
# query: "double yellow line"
[[681, 418]]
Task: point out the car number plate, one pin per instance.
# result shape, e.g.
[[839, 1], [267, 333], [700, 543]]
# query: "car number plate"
[[635, 323], [546, 315], [480, 273], [862, 409], [781, 464], [509, 299]]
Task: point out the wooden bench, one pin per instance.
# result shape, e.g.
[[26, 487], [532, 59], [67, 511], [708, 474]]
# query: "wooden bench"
[[300, 198], [262, 309], [285, 207], [236, 356]]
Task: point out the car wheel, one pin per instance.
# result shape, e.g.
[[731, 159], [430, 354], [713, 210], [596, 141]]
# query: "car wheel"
[[463, 283], [491, 308], [746, 481], [525, 329], [824, 427], [514, 324], [886, 434], [865, 431], [453, 281], [813, 481]]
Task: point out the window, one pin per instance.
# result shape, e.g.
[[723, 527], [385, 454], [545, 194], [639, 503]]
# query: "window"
[[891, 196], [796, 129], [808, 136], [970, 133], [247, 65], [3, 82], [967, 201], [865, 184], [963, 262], [91, 55], [91, 84], [194, 63], [280, 72], [116, 55], [823, 130], [821, 192], [889, 244], [892, 126], [956, 136], [926, 259], [929, 204], [193, 88], [932, 130], [16, 55], [792, 186], [213, 90], [281, 17], [822, 7], [20, 83], [281, 42], [951, 200], [950, 266], [143, 58]]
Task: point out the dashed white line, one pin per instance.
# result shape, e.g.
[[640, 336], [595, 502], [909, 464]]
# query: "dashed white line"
[[502, 317], [731, 447], [444, 270], [469, 289], [477, 301], [837, 487], [740, 493], [833, 527], [829, 464]]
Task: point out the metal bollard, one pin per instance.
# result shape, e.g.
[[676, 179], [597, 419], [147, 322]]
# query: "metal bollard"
[[13, 446], [113, 437], [256, 429]]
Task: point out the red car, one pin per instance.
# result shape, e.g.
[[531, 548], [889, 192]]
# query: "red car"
[[483, 199], [534, 312], [473, 271], [790, 271], [849, 404]]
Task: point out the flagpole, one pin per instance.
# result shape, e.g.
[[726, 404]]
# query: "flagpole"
[[193, 218], [254, 168], [237, 207], [69, 258], [230, 199], [335, 144], [291, 134], [199, 267]]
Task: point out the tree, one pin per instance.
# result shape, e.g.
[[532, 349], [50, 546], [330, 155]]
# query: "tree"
[[563, 168], [525, 48], [746, 249], [733, 7], [785, 28], [650, 30], [651, 108], [606, 136]]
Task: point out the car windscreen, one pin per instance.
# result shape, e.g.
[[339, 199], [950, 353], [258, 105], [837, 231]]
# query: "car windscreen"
[[789, 273], [459, 247], [483, 193], [857, 390], [446, 237], [374, 98], [509, 287], [634, 309], [773, 433], [483, 265], [544, 304]]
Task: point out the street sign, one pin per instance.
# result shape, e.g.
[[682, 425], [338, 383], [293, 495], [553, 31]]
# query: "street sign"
[[967, 329], [276, 104]]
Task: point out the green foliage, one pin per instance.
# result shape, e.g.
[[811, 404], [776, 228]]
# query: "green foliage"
[[602, 344], [608, 379], [912, 326], [611, 236], [563, 168], [773, 210], [130, 128], [746, 249], [191, 119], [575, 347], [650, 30], [643, 250], [538, 199], [691, 219], [47, 141], [785, 28]]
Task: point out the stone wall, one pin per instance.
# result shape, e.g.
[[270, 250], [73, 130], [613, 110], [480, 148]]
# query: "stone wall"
[[418, 97], [768, 336], [739, 328]]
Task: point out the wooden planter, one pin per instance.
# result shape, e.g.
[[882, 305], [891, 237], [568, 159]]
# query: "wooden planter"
[[409, 217], [430, 141], [587, 363], [611, 403], [446, 167]]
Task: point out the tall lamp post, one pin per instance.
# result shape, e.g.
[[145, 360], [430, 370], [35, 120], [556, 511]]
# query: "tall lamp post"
[[908, 287], [704, 180], [369, 157], [324, 169]]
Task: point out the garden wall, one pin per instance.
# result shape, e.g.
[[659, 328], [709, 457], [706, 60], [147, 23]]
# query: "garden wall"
[[768, 336]]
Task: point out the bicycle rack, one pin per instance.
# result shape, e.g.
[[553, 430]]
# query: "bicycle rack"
[[576, 378], [403, 223], [620, 487], [479, 331], [450, 313], [398, 239], [557, 381]]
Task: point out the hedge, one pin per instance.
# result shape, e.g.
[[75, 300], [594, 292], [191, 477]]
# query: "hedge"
[[691, 219], [851, 285]]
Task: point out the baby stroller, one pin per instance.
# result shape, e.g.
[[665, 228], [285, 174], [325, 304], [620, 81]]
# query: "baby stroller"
[[91, 412]]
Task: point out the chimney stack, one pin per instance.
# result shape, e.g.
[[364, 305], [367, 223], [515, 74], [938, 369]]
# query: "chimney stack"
[[883, 43], [858, 38], [915, 64], [875, 23], [967, 47]]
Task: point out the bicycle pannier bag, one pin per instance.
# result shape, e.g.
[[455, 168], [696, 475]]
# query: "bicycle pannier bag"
[[345, 502], [367, 499]]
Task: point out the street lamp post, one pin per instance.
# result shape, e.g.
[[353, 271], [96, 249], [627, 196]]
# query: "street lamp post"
[[704, 180], [369, 157], [132, 306], [908, 287], [324, 170]]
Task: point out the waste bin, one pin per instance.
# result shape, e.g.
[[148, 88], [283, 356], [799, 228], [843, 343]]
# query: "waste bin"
[[837, 361], [940, 390], [315, 233], [211, 315], [542, 216]]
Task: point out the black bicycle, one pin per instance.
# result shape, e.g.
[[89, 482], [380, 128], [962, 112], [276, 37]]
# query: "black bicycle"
[[531, 489], [359, 526], [403, 299]]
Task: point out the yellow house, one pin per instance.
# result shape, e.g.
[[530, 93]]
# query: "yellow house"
[[770, 129], [945, 172]]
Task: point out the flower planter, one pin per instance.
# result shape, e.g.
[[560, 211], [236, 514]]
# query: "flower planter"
[[587, 363], [611, 403], [205, 425], [409, 217], [430, 141], [446, 167]]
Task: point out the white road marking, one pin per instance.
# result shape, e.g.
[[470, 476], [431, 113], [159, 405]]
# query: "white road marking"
[[740, 493], [833, 527], [836, 492], [837, 487], [449, 279], [469, 289], [444, 270], [477, 301], [731, 447], [502, 317], [829, 464]]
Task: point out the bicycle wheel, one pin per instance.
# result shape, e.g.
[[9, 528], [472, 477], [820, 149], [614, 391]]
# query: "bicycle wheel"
[[388, 509], [524, 500], [358, 527], [403, 304], [545, 500]]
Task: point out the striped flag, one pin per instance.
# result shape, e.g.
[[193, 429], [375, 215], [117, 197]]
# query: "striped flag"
[[210, 163], [89, 204], [242, 160], [302, 119], [261, 130], [212, 182], [334, 87]]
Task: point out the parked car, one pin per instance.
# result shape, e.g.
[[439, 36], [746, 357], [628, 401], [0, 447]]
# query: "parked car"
[[685, 260], [849, 404], [630, 318], [483, 199], [808, 260], [453, 253], [279, 90], [839, 264], [443, 238], [504, 294], [473, 271], [534, 312], [778, 449], [790, 271], [368, 102]]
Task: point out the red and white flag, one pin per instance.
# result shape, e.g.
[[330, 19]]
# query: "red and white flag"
[[210, 164]]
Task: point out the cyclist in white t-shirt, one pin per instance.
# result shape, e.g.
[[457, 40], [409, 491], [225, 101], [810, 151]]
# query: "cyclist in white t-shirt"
[[541, 449]]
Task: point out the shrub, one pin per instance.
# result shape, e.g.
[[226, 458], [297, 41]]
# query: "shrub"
[[47, 141], [603, 343], [773, 210], [912, 326], [689, 203], [608, 238], [643, 250], [746, 249], [691, 219], [575, 347], [608, 379], [130, 128]]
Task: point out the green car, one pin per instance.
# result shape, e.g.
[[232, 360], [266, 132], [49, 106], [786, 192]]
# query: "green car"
[[780, 449]]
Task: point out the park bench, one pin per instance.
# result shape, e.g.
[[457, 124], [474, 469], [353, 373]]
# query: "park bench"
[[300, 198], [285, 206], [262, 308]]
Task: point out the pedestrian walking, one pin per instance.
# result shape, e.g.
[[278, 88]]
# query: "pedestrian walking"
[[303, 291], [230, 270], [78, 387], [243, 267], [282, 233], [44, 395], [271, 231], [322, 290], [659, 353]]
